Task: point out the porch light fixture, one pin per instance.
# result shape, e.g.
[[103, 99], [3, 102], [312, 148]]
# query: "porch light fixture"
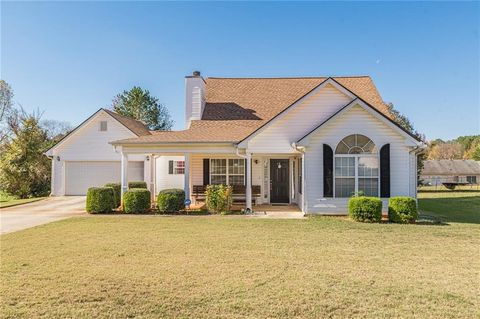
[[255, 161], [58, 158]]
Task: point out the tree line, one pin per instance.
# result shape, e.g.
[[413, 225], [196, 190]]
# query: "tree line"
[[463, 147]]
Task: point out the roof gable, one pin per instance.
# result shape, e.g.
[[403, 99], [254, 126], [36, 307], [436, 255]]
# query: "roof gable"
[[413, 141], [132, 125], [137, 127]]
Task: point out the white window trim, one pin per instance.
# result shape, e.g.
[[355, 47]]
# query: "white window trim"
[[177, 167], [227, 171], [356, 156]]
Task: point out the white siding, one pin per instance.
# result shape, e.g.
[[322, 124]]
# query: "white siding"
[[164, 180], [91, 144], [88, 143], [57, 177], [355, 121], [298, 121], [194, 99]]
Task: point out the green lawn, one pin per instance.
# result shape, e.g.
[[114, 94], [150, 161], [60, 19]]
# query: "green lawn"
[[15, 202], [458, 206], [231, 267]]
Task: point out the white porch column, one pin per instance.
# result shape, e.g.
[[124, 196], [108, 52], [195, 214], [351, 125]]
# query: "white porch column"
[[124, 172], [304, 191], [152, 176], [186, 176], [248, 191]]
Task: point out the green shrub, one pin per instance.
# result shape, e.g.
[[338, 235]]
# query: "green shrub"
[[171, 200], [219, 198], [100, 200], [138, 184], [136, 201], [117, 193], [365, 209], [402, 210]]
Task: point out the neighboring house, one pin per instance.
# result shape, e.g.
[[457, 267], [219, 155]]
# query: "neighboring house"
[[436, 172], [312, 142]]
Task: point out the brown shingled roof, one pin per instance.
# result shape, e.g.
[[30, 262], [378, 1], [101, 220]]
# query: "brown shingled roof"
[[133, 125], [451, 167], [236, 107]]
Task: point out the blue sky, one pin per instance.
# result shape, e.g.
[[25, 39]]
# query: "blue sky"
[[69, 59]]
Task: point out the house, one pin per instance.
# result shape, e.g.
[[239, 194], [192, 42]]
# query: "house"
[[437, 172], [310, 141]]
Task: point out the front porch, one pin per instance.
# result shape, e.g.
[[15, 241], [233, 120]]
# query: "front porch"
[[258, 180]]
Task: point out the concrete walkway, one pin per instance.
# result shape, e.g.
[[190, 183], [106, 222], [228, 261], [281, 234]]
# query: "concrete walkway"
[[41, 212], [280, 211]]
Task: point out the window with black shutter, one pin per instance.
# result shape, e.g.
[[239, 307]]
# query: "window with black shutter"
[[385, 171], [327, 171]]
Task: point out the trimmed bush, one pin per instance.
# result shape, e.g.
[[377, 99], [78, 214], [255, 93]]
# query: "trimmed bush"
[[365, 209], [117, 193], [137, 185], [402, 210], [136, 201], [219, 198], [100, 200], [171, 200]]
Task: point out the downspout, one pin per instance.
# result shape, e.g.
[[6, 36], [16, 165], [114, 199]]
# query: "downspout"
[[237, 151], [419, 149], [301, 149]]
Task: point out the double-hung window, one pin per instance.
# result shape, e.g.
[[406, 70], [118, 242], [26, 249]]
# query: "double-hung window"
[[176, 167], [227, 171], [356, 167]]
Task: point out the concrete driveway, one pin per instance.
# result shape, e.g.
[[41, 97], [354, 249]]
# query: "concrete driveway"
[[41, 212]]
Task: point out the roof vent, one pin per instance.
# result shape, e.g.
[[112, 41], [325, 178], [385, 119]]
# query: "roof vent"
[[196, 73]]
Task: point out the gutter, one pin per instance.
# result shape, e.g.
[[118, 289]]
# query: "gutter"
[[238, 154]]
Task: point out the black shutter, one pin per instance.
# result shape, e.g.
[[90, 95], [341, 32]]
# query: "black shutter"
[[206, 171], [327, 171], [170, 167], [385, 171]]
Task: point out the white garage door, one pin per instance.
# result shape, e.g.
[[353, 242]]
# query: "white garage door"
[[79, 176]]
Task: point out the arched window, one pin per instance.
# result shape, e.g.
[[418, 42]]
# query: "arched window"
[[356, 167]]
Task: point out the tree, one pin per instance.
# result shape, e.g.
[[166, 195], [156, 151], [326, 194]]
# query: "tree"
[[407, 125], [24, 169], [449, 151], [401, 119], [468, 141], [6, 104], [55, 130], [140, 105], [473, 152]]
